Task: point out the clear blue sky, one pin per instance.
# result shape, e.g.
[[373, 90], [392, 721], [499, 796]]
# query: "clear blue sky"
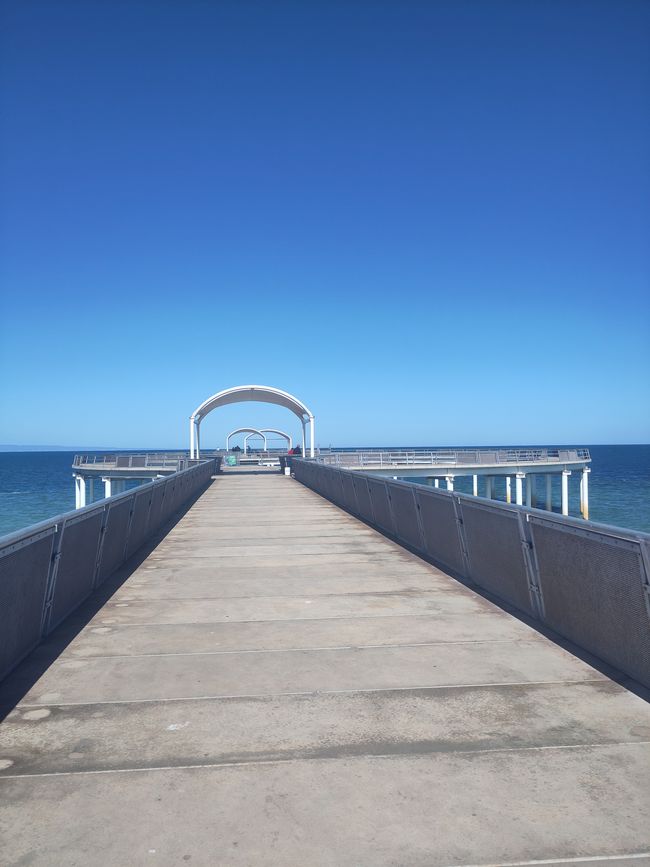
[[428, 220]]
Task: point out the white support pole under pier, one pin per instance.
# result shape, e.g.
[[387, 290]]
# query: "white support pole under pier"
[[450, 482], [436, 483], [508, 489], [565, 491], [312, 436], [108, 487], [584, 493], [475, 485], [79, 492], [519, 488], [549, 492], [304, 440], [197, 443]]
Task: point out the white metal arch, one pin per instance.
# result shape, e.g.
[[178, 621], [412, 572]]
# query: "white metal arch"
[[255, 433], [247, 430], [262, 393], [272, 430]]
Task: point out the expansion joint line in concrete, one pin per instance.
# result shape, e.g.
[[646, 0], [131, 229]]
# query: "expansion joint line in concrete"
[[368, 757], [379, 689]]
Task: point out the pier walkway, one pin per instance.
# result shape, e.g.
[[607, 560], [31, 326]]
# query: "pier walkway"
[[278, 684]]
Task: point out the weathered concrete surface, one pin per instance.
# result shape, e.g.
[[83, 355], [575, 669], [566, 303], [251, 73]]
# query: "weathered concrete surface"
[[278, 684]]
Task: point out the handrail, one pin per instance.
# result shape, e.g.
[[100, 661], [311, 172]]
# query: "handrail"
[[451, 457], [155, 460]]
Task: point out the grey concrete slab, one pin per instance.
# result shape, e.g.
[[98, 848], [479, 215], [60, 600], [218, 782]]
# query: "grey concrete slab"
[[438, 809], [192, 583], [315, 568], [218, 551], [272, 727], [264, 559], [307, 524], [396, 717], [232, 673], [333, 536], [133, 640], [211, 610]]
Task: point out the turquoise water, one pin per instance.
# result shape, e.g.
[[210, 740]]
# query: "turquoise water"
[[38, 485]]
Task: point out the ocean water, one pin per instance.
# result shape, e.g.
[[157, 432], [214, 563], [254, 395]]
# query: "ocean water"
[[35, 486]]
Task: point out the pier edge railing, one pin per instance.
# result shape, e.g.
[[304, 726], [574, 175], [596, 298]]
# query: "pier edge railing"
[[589, 583], [47, 570]]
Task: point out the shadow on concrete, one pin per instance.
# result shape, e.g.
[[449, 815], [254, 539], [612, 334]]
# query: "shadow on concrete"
[[18, 683]]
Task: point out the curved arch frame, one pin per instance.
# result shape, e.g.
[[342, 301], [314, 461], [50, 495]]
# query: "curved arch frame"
[[261, 393], [286, 436], [255, 433], [248, 430]]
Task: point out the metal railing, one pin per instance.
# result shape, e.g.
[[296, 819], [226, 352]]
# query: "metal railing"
[[154, 460], [48, 569], [588, 582], [167, 461], [452, 457]]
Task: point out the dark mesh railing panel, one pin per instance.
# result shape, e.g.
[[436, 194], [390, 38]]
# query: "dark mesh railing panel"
[[349, 498], [168, 499], [591, 580], [76, 570], [26, 561], [328, 484], [139, 520], [592, 590], [23, 583], [323, 479], [179, 494], [381, 505], [440, 530], [328, 481], [157, 498], [363, 497], [138, 460], [496, 554], [115, 538], [334, 486], [407, 527]]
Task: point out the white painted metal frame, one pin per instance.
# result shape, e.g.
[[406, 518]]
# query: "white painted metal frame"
[[254, 433], [246, 430], [261, 393], [287, 437]]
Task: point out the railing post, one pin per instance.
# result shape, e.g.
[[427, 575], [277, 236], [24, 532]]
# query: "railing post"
[[50, 586], [645, 578], [418, 514], [531, 564], [100, 545], [129, 525], [462, 540]]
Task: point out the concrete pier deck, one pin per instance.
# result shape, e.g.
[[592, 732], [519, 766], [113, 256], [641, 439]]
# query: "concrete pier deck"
[[278, 684]]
